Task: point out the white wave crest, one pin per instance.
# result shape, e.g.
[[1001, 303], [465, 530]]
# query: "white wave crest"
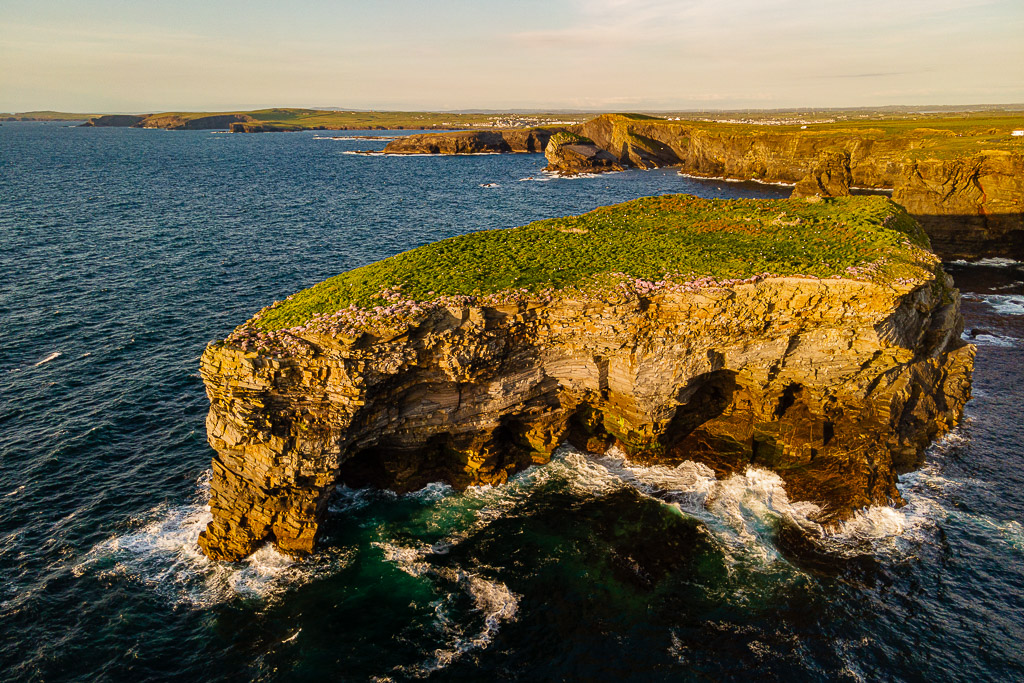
[[991, 340], [991, 262], [776, 183], [1004, 304], [546, 176], [164, 554]]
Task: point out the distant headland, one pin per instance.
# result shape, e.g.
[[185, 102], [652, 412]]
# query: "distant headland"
[[960, 173]]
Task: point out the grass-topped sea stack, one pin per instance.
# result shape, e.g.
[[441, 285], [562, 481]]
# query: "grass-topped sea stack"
[[819, 339]]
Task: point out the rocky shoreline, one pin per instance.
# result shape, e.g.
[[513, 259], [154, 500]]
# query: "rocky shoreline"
[[970, 204], [837, 384]]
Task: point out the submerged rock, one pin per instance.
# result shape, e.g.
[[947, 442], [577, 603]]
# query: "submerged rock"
[[837, 384]]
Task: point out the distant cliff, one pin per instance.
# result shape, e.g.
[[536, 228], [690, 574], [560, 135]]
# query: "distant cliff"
[[514, 140], [114, 121], [971, 203], [969, 200], [819, 339]]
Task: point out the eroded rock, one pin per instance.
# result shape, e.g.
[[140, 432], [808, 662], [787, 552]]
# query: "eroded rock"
[[836, 384], [830, 177], [570, 154]]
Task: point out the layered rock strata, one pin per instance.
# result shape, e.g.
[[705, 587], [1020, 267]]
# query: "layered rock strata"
[[836, 384]]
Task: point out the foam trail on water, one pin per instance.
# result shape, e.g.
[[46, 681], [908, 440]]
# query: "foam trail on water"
[[991, 262], [1004, 304], [491, 599], [990, 340], [53, 356]]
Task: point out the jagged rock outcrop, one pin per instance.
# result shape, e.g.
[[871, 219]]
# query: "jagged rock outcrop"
[[513, 140], [570, 154], [830, 177], [836, 384]]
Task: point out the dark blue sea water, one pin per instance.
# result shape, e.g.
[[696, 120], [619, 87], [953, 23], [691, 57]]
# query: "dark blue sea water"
[[122, 252]]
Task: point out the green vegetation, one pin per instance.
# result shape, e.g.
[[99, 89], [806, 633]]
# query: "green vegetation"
[[679, 237]]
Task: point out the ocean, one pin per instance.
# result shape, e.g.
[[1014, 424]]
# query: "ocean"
[[125, 251]]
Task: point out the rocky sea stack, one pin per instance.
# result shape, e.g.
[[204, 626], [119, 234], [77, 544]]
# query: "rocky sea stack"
[[570, 154], [820, 340]]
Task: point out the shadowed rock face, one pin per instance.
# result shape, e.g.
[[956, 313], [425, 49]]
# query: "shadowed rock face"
[[837, 385], [969, 207]]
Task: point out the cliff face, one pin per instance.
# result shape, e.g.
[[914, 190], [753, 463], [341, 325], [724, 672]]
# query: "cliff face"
[[830, 177], [516, 140], [971, 205], [836, 384], [171, 121]]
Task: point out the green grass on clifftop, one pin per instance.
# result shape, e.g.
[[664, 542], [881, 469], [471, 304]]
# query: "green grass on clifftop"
[[649, 238]]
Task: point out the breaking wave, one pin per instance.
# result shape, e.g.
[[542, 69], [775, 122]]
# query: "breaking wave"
[[163, 554], [992, 262], [1004, 304], [986, 339]]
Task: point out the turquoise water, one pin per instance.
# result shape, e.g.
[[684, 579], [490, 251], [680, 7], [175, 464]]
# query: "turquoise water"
[[125, 251]]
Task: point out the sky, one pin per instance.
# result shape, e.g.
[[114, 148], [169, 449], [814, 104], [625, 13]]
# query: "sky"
[[100, 56]]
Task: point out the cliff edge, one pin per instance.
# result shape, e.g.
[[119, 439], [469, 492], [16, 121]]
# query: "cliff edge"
[[820, 340]]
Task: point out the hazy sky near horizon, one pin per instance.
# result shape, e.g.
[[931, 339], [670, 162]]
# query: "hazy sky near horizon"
[[117, 55]]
